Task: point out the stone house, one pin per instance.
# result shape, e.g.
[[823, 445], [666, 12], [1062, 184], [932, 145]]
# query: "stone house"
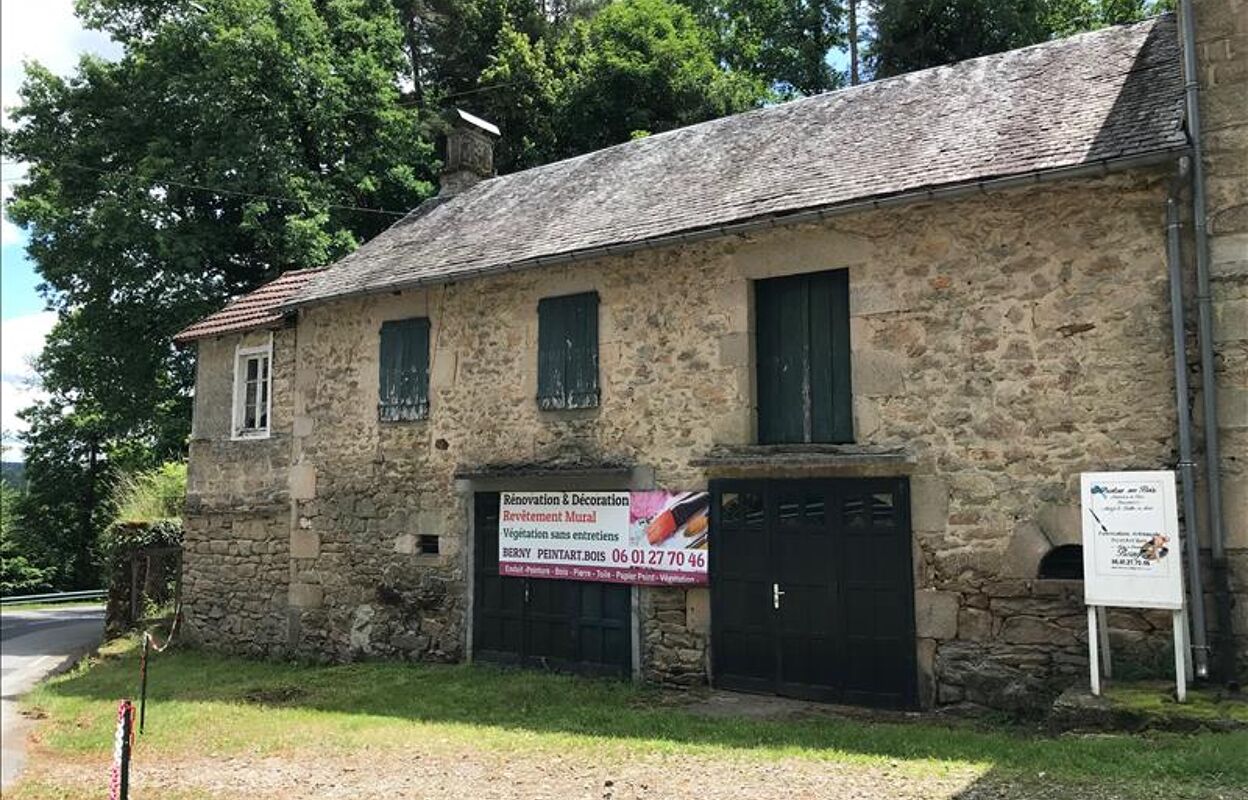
[[899, 318]]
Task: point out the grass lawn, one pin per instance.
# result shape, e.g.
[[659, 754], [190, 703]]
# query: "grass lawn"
[[209, 707]]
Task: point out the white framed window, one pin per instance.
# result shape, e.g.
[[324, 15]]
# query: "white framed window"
[[253, 395]]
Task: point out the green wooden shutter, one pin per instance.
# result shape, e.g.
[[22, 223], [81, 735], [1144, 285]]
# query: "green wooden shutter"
[[567, 352], [803, 367], [404, 370]]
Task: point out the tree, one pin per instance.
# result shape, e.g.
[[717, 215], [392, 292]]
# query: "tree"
[[236, 139], [1067, 17], [18, 575], [916, 34], [63, 509], [520, 91], [232, 141], [644, 66], [853, 42], [785, 43]]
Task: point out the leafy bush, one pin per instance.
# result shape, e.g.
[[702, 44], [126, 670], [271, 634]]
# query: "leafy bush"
[[155, 494], [123, 538]]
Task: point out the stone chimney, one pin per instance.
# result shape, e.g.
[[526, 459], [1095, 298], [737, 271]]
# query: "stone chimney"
[[469, 153]]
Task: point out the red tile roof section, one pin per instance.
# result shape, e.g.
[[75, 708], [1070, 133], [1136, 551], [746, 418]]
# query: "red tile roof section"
[[256, 309]]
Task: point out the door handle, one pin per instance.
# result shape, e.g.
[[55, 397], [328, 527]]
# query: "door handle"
[[526, 593], [776, 594]]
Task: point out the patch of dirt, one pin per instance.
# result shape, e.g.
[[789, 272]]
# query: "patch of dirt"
[[477, 775]]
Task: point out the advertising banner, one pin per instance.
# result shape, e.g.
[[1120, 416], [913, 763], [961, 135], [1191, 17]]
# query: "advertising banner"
[[654, 538], [1130, 540]]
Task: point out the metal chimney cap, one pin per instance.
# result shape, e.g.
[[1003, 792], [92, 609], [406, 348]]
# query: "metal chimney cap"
[[477, 122]]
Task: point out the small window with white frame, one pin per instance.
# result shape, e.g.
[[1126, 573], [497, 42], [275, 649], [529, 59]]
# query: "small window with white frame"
[[253, 378]]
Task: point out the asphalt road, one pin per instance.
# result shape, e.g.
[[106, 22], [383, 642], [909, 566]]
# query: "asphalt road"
[[34, 645]]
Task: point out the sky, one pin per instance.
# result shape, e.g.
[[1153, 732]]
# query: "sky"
[[48, 32]]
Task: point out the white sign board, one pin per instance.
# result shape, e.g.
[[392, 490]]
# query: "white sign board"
[[1131, 540]]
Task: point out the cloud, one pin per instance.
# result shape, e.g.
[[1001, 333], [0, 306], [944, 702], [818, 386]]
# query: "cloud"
[[21, 339]]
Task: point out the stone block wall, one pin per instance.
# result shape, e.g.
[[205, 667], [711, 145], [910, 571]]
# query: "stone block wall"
[[236, 542], [1005, 343], [235, 576]]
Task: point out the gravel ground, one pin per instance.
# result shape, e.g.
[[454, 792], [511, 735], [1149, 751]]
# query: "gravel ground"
[[401, 773]]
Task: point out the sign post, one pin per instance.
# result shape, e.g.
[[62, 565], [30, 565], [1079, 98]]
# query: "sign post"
[[1131, 558], [123, 743]]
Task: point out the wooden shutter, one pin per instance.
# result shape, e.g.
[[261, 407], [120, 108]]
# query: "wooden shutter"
[[404, 370], [567, 352], [803, 367]]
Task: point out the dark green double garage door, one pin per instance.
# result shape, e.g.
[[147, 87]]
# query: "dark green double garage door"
[[811, 596]]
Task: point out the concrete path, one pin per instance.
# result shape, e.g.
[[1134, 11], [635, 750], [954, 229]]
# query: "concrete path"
[[34, 645]]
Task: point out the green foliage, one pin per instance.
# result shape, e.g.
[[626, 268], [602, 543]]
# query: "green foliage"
[[1066, 17], [529, 74], [65, 504], [916, 34], [17, 574], [151, 495], [591, 82], [645, 65], [289, 112], [123, 538], [785, 43]]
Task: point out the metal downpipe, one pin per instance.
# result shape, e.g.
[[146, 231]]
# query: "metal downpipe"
[[1186, 466], [1226, 656]]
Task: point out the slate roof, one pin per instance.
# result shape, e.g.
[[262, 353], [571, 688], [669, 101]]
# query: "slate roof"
[[1106, 95], [260, 308]]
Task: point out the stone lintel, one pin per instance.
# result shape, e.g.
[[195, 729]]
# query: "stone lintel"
[[805, 461]]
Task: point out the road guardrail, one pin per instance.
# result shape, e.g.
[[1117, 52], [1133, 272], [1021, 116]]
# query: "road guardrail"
[[55, 597]]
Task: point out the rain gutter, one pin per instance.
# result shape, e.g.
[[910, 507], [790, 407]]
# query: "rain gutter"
[[1182, 402]]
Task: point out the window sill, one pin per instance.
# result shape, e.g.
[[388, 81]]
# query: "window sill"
[[250, 436], [809, 460], [416, 412], [562, 404]]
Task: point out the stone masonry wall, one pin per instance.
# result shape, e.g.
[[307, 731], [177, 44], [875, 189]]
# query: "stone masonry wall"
[[236, 567], [1005, 342], [1222, 56]]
